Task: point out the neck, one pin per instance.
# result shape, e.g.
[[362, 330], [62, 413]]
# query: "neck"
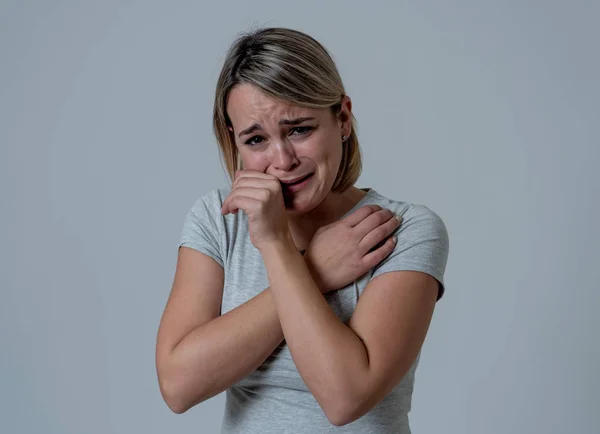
[[331, 209]]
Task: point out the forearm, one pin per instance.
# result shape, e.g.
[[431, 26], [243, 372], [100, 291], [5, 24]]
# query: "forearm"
[[218, 354], [330, 357]]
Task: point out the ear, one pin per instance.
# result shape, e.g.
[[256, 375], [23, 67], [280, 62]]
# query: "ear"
[[231, 134], [345, 116]]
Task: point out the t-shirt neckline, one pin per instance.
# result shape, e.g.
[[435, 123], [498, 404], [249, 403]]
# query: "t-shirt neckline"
[[370, 192]]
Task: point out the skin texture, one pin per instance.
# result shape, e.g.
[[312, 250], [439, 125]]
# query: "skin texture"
[[349, 368]]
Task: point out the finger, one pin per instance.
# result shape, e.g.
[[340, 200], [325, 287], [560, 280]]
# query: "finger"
[[250, 181], [360, 214], [373, 221], [246, 204], [380, 233], [253, 178], [260, 194], [252, 174], [373, 258]]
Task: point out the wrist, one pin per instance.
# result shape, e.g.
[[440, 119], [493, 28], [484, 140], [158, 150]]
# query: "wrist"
[[315, 275], [281, 246]]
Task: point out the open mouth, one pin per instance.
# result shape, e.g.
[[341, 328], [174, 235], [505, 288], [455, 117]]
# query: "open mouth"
[[298, 181], [290, 188]]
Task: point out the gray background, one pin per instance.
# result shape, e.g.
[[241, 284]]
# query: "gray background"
[[487, 112]]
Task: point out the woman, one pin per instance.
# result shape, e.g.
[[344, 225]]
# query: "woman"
[[300, 294]]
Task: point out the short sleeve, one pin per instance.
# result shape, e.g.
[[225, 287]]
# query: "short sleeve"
[[202, 227], [423, 245]]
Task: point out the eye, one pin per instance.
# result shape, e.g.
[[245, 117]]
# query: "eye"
[[255, 140], [298, 131]]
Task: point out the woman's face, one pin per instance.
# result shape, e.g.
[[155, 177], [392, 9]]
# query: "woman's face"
[[300, 146]]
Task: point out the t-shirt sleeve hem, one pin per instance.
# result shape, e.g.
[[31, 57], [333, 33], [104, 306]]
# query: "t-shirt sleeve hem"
[[202, 249], [415, 266]]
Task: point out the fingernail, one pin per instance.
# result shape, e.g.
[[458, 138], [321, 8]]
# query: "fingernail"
[[399, 218], [394, 239]]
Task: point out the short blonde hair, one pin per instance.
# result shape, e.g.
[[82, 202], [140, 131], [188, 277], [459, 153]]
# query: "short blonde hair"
[[291, 66]]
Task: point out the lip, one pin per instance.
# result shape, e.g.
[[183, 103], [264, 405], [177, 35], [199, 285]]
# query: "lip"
[[294, 188], [291, 181]]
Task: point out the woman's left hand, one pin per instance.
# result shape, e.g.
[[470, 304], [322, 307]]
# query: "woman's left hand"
[[259, 195]]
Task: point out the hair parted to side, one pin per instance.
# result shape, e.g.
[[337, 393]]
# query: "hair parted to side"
[[291, 66]]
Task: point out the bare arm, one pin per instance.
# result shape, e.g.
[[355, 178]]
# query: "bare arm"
[[350, 368], [200, 354]]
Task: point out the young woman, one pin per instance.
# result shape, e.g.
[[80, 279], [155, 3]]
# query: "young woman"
[[303, 296]]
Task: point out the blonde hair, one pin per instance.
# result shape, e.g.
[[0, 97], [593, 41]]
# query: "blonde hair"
[[291, 66]]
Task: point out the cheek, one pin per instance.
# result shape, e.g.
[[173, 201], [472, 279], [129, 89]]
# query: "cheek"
[[333, 160], [326, 150], [330, 154], [255, 161]]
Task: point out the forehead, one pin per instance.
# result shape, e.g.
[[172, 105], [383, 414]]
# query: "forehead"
[[247, 103]]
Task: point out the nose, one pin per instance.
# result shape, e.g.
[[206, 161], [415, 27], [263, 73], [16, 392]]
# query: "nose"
[[284, 156]]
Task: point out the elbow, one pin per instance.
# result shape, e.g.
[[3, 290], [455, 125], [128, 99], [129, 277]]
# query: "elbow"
[[337, 419], [344, 409], [180, 392], [177, 407], [173, 397], [169, 387], [180, 395], [341, 415]]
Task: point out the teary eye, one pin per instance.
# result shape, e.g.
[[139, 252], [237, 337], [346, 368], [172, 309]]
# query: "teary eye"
[[255, 140], [301, 130]]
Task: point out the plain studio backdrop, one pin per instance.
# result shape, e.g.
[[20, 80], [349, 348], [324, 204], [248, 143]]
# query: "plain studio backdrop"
[[487, 112]]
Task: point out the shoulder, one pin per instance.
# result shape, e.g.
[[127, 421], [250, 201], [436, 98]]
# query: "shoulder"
[[204, 228], [415, 217], [422, 240], [205, 213], [211, 200]]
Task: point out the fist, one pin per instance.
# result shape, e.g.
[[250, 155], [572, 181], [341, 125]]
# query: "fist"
[[260, 197]]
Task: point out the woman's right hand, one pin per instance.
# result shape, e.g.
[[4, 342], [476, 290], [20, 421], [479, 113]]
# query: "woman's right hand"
[[343, 251], [260, 197]]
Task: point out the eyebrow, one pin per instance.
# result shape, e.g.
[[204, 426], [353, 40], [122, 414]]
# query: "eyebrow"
[[255, 127]]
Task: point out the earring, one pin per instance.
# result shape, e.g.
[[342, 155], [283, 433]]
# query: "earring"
[[344, 138]]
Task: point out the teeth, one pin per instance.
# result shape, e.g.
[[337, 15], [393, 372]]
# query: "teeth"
[[297, 182]]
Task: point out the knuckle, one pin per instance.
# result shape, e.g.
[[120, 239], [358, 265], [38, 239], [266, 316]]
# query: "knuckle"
[[392, 224], [356, 263], [384, 215], [380, 232], [366, 210]]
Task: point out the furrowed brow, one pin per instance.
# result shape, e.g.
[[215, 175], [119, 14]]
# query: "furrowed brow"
[[249, 130], [255, 127], [295, 121]]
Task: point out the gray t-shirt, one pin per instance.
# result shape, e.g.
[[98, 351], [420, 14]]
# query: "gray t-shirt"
[[274, 398]]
